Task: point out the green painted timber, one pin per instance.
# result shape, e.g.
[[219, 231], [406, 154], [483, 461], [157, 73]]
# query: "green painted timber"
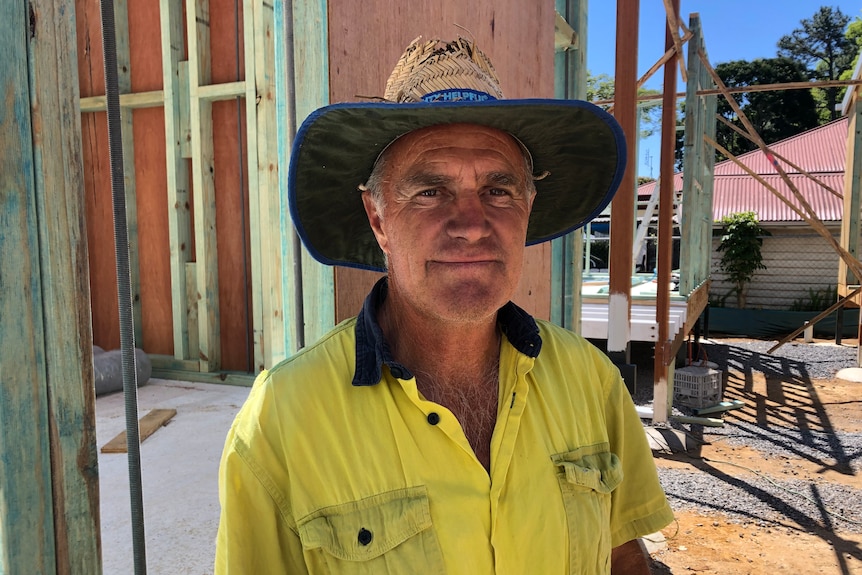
[[310, 86], [570, 82], [696, 228], [850, 229], [49, 516]]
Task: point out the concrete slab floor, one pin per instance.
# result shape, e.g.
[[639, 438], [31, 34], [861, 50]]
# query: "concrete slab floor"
[[179, 476]]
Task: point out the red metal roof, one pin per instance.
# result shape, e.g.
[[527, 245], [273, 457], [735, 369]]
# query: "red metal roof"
[[820, 152]]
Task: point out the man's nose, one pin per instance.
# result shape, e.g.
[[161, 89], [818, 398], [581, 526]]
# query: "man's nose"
[[469, 218]]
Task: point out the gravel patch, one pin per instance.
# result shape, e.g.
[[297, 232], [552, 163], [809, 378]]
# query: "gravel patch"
[[743, 498], [804, 360], [746, 496]]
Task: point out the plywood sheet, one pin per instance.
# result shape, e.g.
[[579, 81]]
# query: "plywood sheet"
[[517, 36]]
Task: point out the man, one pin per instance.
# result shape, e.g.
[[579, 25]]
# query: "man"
[[443, 430]]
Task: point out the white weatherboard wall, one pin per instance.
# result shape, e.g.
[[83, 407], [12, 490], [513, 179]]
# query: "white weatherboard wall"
[[797, 260]]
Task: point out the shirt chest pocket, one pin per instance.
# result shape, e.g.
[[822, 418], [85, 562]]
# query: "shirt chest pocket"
[[587, 477], [386, 533]]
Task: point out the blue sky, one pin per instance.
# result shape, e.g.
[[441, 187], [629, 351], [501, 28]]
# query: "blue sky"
[[733, 30]]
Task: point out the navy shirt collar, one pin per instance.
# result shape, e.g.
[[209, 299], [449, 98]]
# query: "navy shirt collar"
[[372, 350]]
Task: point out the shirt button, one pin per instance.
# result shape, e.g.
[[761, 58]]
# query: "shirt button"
[[365, 536], [396, 372], [433, 418]]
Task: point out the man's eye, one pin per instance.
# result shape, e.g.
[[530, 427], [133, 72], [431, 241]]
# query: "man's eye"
[[498, 192], [428, 193]]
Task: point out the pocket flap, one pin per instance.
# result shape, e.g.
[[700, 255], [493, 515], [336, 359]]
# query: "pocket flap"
[[365, 529], [598, 470]]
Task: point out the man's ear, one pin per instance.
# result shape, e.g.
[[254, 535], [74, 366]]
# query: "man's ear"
[[375, 220]]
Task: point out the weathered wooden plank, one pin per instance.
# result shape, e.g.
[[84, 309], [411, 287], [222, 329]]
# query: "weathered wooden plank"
[[148, 425], [124, 84], [720, 407], [48, 479], [175, 76], [26, 521], [203, 179]]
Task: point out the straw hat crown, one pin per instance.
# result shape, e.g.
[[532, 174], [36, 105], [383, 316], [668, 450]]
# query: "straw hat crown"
[[430, 66]]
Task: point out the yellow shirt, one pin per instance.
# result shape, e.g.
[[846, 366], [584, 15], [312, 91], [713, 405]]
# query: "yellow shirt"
[[321, 475]]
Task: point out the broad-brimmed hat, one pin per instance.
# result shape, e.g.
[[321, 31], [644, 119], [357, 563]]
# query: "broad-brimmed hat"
[[579, 147]]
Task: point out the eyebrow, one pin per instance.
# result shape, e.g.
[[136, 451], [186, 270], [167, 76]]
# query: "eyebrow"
[[431, 180]]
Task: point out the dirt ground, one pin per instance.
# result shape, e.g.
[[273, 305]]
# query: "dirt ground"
[[701, 543]]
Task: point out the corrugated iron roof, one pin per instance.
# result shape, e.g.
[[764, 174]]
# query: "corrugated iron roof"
[[820, 152], [734, 194]]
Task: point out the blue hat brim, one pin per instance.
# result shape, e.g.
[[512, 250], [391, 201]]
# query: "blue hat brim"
[[580, 145]]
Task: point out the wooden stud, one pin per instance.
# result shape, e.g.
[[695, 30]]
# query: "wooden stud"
[[203, 178], [152, 99], [124, 83], [256, 216], [175, 76], [149, 424], [269, 198]]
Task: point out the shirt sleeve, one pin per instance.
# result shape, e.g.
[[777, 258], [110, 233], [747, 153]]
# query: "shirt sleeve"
[[255, 533], [638, 505]]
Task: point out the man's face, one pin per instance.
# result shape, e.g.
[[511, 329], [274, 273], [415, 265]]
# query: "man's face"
[[454, 221]]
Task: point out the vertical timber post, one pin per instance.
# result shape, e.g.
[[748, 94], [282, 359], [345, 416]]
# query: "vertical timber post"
[[570, 70], [665, 222], [622, 206], [49, 500]]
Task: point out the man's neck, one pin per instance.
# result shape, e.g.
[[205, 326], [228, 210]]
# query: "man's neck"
[[440, 349]]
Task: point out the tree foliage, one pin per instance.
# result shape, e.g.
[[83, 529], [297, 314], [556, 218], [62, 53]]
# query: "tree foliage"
[[601, 87], [823, 47], [776, 114], [741, 240]]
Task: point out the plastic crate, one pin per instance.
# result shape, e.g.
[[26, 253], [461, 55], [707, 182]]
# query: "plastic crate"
[[697, 385]]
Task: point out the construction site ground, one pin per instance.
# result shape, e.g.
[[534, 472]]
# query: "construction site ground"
[[712, 542], [181, 506]]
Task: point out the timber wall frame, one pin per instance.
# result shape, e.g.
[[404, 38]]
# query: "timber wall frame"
[[187, 97]]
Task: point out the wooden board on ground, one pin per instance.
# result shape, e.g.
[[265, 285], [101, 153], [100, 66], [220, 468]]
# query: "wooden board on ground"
[[719, 407], [149, 424]]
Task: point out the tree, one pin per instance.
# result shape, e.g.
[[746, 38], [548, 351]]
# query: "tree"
[[741, 240], [602, 87], [822, 46], [776, 114]]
